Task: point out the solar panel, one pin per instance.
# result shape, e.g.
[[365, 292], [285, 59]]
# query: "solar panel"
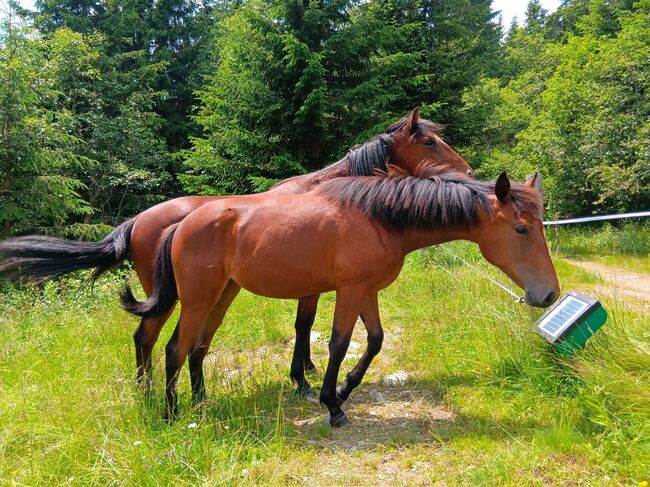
[[562, 316], [571, 321]]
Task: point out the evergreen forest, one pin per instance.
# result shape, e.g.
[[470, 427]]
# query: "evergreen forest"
[[108, 107]]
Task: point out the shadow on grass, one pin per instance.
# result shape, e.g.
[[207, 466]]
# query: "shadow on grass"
[[409, 414], [413, 413]]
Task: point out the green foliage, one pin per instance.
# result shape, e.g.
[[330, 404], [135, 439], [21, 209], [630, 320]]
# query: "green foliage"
[[577, 110], [38, 152], [294, 85], [137, 100], [240, 112], [123, 134]]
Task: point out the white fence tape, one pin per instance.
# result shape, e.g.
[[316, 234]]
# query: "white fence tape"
[[600, 218]]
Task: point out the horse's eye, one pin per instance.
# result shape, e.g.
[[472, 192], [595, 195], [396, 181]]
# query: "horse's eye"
[[522, 230], [430, 142]]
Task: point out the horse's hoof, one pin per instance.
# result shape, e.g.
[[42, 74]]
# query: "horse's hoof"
[[339, 420]]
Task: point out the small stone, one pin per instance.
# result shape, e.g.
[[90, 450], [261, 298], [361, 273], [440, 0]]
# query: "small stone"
[[244, 472], [314, 336], [137, 443], [377, 396], [191, 426], [396, 379]]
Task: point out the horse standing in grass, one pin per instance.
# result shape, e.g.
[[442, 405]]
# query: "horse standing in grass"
[[350, 235], [412, 144]]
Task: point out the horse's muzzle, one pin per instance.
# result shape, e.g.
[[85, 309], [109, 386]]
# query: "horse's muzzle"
[[545, 302]]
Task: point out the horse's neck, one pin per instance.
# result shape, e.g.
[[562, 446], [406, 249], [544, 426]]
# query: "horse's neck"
[[307, 182], [418, 239], [337, 170]]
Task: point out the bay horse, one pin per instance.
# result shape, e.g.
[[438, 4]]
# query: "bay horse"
[[412, 144], [349, 235]]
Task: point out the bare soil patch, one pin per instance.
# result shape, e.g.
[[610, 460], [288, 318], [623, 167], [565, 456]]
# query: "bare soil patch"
[[618, 281]]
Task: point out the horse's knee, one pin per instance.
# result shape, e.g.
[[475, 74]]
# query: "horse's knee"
[[375, 340]]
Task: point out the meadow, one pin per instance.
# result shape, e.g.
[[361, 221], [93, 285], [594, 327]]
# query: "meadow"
[[485, 401]]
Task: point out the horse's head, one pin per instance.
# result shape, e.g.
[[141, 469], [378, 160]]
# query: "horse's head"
[[417, 145], [514, 240]]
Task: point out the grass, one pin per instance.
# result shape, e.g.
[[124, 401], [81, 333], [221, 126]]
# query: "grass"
[[626, 246], [487, 401]]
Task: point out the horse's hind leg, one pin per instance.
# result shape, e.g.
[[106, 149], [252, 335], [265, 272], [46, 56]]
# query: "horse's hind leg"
[[304, 321], [371, 320], [200, 350], [145, 337], [301, 351], [188, 332]]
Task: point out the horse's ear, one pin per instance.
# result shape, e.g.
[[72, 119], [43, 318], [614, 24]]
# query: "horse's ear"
[[412, 120], [502, 187], [535, 181]]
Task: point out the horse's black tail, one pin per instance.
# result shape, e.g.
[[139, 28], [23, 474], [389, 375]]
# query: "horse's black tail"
[[37, 258], [164, 294]]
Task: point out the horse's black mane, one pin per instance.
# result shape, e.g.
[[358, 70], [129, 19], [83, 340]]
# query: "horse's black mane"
[[374, 154], [364, 159], [441, 200]]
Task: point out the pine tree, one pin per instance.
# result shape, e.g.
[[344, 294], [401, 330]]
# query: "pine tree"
[[37, 152]]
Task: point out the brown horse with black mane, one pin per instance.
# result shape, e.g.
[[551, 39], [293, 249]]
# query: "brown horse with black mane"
[[412, 145], [350, 235]]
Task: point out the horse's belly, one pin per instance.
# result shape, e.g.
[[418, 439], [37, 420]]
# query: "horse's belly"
[[277, 278], [280, 267]]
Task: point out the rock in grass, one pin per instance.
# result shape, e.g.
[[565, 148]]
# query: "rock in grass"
[[377, 396], [396, 379]]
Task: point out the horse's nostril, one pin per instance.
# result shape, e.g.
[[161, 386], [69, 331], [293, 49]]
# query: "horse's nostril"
[[470, 172], [550, 298]]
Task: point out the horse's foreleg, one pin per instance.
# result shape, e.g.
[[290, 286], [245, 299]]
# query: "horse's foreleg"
[[145, 337], [301, 351], [371, 320], [201, 348], [348, 306]]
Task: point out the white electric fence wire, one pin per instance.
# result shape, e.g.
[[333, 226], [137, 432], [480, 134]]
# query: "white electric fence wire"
[[518, 299], [599, 218]]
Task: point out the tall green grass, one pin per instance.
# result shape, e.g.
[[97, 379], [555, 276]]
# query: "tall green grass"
[[70, 411], [625, 245]]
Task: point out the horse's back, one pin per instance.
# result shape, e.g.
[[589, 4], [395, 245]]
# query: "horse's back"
[[285, 246]]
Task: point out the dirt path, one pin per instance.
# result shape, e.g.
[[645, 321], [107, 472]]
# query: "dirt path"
[[625, 282]]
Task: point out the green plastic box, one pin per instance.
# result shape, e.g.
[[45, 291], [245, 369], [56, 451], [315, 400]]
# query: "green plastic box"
[[571, 321]]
